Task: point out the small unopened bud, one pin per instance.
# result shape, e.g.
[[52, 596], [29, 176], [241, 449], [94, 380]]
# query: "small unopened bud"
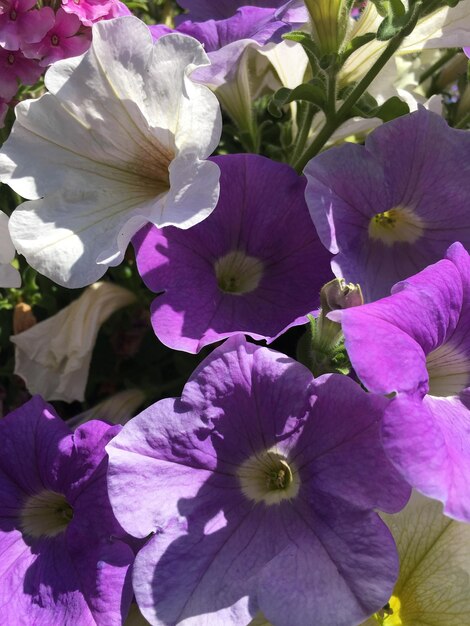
[[23, 318], [322, 347], [337, 294]]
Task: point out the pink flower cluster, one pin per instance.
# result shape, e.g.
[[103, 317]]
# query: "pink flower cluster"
[[32, 38]]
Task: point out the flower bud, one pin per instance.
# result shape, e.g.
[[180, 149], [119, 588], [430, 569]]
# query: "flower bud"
[[53, 357], [23, 318], [337, 294], [330, 21]]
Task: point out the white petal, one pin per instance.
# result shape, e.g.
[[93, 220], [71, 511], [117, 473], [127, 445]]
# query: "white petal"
[[7, 250], [434, 581], [9, 276], [289, 60], [53, 357], [444, 28], [106, 149]]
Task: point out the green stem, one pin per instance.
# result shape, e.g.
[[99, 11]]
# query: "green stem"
[[437, 65], [334, 122], [463, 123], [304, 129]]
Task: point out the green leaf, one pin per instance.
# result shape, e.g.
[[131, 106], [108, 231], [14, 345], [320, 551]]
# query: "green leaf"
[[355, 44], [391, 26], [389, 110], [312, 91]]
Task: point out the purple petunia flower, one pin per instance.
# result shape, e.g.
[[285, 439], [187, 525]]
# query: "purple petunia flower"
[[416, 343], [64, 555], [390, 208], [225, 40], [260, 483], [255, 265], [201, 10]]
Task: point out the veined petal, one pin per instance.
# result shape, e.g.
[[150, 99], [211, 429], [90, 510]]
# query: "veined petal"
[[445, 28], [100, 147], [433, 586]]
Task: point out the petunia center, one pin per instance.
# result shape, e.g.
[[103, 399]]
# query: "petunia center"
[[449, 371], [399, 224], [13, 15], [45, 514], [268, 477], [390, 614], [238, 273], [55, 40]]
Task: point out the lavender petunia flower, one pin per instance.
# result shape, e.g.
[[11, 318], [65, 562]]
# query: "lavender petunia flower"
[[255, 265], [201, 10], [65, 559], [416, 343], [393, 206], [260, 483], [225, 40]]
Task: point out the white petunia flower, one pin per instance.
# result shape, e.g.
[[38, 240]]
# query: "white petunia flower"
[[120, 140], [433, 587], [53, 357], [9, 276], [445, 27]]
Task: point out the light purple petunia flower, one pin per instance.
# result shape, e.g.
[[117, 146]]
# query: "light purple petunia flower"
[[64, 555], [225, 40], [416, 343], [390, 208], [255, 265], [201, 10], [260, 484]]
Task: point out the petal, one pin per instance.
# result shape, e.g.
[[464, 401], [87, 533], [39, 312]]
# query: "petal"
[[434, 552], [429, 443], [207, 576], [340, 451], [111, 128], [155, 450], [343, 562], [399, 331]]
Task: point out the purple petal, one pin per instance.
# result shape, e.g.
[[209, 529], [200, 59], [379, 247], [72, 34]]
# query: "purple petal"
[[398, 168], [388, 340], [429, 442], [193, 311], [343, 562], [31, 437], [340, 452]]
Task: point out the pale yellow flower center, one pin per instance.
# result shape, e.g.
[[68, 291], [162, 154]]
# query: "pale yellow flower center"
[[237, 273], [449, 371], [45, 514], [268, 477], [399, 224]]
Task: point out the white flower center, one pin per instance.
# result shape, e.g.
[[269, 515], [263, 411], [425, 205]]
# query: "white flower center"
[[268, 477], [45, 514], [449, 371], [399, 224], [238, 273]]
